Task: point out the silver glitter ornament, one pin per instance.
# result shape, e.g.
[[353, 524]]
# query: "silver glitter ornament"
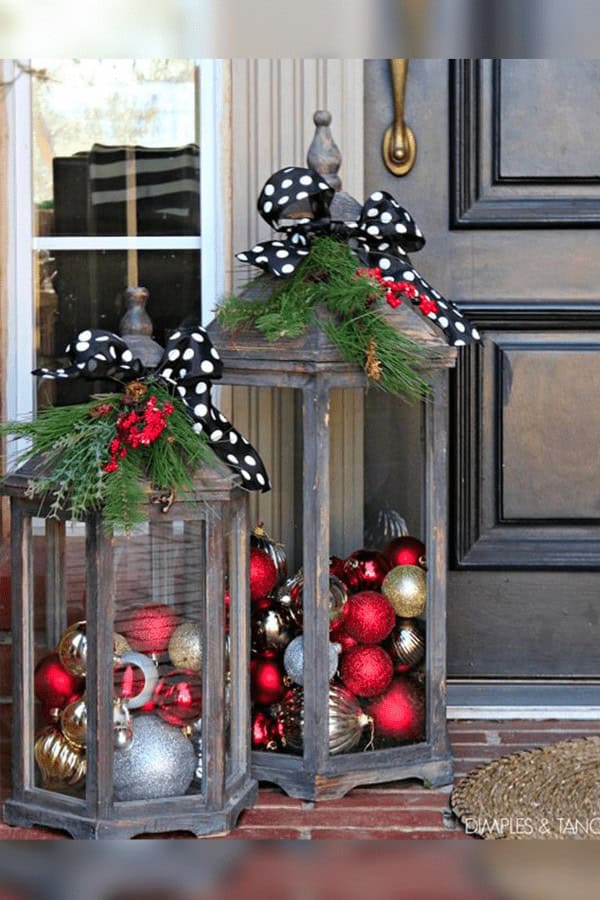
[[160, 762], [347, 720], [293, 659], [290, 597], [407, 644]]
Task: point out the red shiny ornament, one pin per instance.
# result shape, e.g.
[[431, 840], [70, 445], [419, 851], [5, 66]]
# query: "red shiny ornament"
[[369, 617], [364, 570], [399, 714], [405, 551], [149, 628], [266, 732], [266, 679], [178, 697], [339, 635], [336, 567], [263, 575], [366, 671], [54, 685]]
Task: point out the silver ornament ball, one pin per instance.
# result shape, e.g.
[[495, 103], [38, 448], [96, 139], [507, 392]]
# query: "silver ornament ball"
[[293, 659], [407, 644], [290, 596], [272, 629], [160, 762], [347, 721]]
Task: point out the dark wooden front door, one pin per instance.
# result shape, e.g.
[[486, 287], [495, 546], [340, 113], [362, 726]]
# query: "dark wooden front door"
[[506, 189]]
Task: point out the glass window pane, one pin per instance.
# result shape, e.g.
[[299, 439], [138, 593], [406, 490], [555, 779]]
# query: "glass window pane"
[[77, 290], [116, 147]]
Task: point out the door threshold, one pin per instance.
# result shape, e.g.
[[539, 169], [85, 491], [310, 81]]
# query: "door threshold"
[[495, 699], [540, 713]]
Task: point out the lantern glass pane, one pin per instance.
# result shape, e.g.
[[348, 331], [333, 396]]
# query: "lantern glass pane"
[[60, 602], [160, 598], [376, 657]]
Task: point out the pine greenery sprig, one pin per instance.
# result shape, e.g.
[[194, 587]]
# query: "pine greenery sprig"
[[328, 277], [74, 441]]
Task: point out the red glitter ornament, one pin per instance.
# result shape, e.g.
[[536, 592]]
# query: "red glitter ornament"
[[369, 617], [339, 635], [263, 575], [366, 671], [364, 570], [149, 628], [266, 679], [54, 685], [399, 714], [178, 697], [405, 551]]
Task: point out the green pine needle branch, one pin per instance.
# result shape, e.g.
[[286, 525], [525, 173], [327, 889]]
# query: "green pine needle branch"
[[74, 442], [327, 278]]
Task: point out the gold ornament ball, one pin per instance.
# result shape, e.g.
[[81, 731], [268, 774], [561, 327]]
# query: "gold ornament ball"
[[185, 646], [60, 763], [406, 589], [72, 649], [73, 722]]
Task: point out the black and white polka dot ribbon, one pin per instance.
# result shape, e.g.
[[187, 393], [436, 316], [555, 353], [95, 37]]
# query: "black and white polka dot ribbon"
[[381, 237], [189, 365]]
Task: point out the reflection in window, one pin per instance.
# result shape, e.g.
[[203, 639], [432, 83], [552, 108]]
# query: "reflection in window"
[[115, 158]]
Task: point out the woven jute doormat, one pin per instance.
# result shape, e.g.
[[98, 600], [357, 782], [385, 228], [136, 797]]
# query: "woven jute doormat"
[[552, 792]]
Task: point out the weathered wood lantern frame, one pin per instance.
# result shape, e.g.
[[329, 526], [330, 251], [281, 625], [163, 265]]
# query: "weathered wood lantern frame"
[[217, 509], [313, 365]]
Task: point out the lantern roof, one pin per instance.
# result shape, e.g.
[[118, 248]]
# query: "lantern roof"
[[314, 349], [210, 482]]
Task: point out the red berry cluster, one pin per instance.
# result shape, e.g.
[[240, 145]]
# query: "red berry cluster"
[[138, 429], [393, 290]]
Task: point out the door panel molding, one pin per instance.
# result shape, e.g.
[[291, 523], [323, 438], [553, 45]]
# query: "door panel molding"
[[480, 195], [492, 527]]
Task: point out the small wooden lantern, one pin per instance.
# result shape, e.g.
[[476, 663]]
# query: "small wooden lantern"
[[322, 760], [131, 697]]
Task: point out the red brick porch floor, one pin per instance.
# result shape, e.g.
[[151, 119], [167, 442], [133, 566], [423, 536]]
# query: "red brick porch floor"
[[402, 810]]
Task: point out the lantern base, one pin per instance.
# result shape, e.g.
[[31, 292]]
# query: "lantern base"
[[290, 774], [27, 814]]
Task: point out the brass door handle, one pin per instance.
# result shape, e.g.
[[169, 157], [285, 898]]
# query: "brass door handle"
[[399, 145]]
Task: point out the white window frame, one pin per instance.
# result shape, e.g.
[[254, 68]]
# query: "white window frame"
[[22, 244]]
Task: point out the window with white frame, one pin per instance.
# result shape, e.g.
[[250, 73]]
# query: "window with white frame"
[[115, 175]]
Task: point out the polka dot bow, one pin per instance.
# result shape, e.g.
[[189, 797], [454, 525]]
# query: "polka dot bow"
[[381, 237], [188, 366]]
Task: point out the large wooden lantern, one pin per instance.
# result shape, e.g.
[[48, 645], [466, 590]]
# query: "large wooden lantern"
[[348, 673], [325, 759], [131, 699]]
